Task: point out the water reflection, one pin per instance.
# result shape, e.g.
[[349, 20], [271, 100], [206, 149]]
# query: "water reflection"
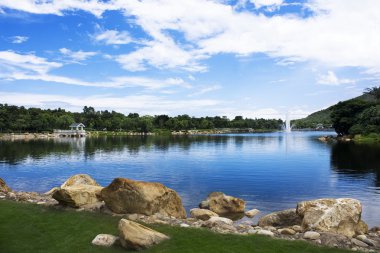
[[356, 159]]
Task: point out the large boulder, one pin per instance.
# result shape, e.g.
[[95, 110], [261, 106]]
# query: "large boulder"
[[342, 216], [4, 187], [202, 214], [79, 179], [78, 191], [137, 237], [128, 196], [285, 218], [223, 204]]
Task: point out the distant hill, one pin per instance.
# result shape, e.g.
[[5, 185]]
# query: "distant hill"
[[323, 116]]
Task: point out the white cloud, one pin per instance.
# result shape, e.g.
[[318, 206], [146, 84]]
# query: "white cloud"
[[113, 37], [76, 56], [16, 66], [18, 39], [57, 7], [212, 27], [161, 54], [331, 79], [26, 62], [206, 90], [142, 104], [261, 3]]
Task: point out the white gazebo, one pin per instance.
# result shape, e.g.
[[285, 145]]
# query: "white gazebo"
[[77, 127], [76, 130]]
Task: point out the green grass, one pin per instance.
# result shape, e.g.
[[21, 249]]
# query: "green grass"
[[372, 138], [32, 228]]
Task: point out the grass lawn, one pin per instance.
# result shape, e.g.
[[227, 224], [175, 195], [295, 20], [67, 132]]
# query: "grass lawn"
[[31, 228]]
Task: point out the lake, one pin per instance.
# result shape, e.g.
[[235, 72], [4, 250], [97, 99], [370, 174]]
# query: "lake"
[[270, 171]]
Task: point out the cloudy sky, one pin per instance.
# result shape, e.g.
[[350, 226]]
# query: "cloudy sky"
[[256, 58]]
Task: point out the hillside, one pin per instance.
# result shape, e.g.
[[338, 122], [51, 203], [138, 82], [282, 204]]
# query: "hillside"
[[324, 116]]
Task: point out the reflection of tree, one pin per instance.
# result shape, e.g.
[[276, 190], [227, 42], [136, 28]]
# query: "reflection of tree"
[[354, 159], [16, 151]]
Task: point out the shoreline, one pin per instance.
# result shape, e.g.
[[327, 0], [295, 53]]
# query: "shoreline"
[[277, 225], [31, 136], [46, 136]]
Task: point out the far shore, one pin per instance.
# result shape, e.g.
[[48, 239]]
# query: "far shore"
[[51, 135]]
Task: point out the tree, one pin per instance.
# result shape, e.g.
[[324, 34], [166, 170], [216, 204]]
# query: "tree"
[[345, 115], [374, 91]]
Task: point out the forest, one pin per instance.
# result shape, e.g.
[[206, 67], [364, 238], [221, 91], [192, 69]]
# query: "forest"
[[22, 119], [360, 115]]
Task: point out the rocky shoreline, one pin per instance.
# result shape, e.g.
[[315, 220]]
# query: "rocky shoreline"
[[329, 222]]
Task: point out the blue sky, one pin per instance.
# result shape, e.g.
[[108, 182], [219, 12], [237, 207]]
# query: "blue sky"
[[256, 58]]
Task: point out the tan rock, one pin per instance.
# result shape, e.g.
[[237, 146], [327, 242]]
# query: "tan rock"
[[361, 228], [79, 179], [215, 219], [78, 195], [4, 187], [202, 214], [283, 218], [105, 240], [331, 215], [359, 243], [51, 191], [297, 228], [128, 196], [311, 235], [265, 232], [252, 213], [223, 204], [136, 236], [287, 231]]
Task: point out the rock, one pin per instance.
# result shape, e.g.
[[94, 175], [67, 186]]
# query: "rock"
[[52, 191], [364, 239], [347, 228], [105, 240], [270, 228], [359, 243], [361, 228], [331, 215], [222, 204], [11, 196], [283, 218], [78, 191], [375, 229], [297, 228], [287, 231], [136, 236], [252, 213], [78, 196], [265, 232], [334, 240], [4, 187], [128, 196], [184, 225], [312, 235], [79, 179], [213, 220], [133, 216], [202, 214]]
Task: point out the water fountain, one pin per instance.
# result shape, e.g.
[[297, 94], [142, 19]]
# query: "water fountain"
[[287, 126]]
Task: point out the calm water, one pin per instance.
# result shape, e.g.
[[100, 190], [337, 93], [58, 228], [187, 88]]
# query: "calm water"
[[271, 171]]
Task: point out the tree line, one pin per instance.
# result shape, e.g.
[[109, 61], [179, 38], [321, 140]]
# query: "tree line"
[[21, 119]]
